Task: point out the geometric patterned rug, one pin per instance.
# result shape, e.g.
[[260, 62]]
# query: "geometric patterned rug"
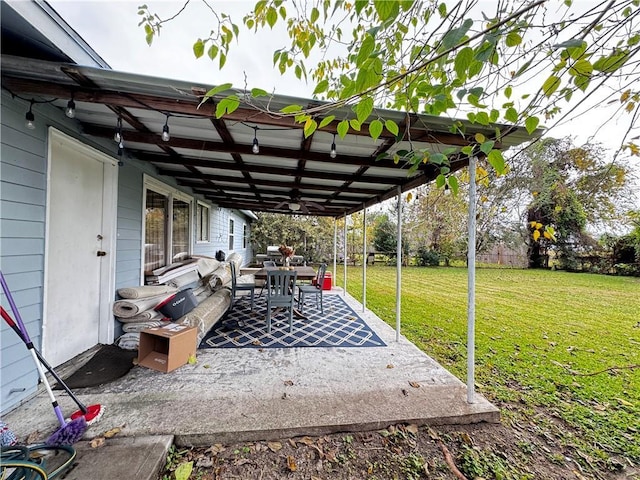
[[339, 326]]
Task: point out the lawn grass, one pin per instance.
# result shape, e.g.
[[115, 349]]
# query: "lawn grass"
[[567, 343]]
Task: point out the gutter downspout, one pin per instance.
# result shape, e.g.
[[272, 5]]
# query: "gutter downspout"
[[364, 256], [345, 255]]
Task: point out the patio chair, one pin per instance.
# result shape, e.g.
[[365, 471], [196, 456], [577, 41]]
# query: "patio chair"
[[314, 289], [240, 287], [265, 264], [280, 293]]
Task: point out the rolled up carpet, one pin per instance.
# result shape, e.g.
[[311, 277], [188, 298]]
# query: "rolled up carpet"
[[146, 316], [132, 307], [137, 327], [208, 312], [145, 291]]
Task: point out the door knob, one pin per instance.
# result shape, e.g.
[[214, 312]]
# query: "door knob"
[[101, 253]]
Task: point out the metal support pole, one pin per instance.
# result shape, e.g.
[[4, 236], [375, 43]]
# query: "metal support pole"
[[345, 255], [471, 272], [365, 258], [399, 265], [335, 248]]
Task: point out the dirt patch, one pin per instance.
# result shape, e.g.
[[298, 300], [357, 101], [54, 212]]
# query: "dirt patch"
[[481, 451]]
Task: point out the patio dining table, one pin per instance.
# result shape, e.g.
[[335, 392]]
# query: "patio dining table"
[[304, 273]]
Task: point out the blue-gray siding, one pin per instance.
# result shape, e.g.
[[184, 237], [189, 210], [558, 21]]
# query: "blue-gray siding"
[[23, 161]]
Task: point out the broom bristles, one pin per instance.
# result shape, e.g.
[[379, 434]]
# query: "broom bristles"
[[71, 433]]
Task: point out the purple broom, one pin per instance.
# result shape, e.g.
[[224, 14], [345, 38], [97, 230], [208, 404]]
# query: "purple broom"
[[69, 432]]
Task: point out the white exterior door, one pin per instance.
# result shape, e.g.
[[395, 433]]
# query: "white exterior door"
[[80, 248]]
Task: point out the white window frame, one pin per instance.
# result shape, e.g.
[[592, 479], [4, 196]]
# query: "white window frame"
[[199, 237], [150, 183], [231, 235]]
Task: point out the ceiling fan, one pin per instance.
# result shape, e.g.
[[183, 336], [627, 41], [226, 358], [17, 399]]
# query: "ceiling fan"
[[296, 204]]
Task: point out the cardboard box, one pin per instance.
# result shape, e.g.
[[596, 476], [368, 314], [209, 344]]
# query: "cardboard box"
[[166, 348]]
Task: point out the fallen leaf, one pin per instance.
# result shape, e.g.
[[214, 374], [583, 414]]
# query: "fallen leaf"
[[413, 429], [292, 442], [33, 437], [404, 392], [274, 446], [112, 433], [97, 442], [306, 440], [624, 402], [414, 384], [288, 383], [241, 461], [291, 464], [217, 448], [206, 366], [193, 360], [256, 342], [389, 366]]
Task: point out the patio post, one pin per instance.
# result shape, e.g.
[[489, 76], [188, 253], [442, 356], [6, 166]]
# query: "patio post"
[[335, 248], [471, 273], [399, 265], [364, 258], [345, 254]]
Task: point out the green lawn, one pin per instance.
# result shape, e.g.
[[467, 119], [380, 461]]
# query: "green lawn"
[[564, 343]]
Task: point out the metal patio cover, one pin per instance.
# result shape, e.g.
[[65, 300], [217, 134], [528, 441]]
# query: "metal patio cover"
[[214, 156]]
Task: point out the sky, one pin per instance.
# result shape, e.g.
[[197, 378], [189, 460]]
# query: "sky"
[[111, 29]]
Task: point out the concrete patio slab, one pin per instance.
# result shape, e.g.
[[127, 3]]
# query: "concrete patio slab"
[[233, 395]]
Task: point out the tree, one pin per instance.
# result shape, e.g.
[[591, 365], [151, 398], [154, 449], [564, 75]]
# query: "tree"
[[520, 63], [306, 234]]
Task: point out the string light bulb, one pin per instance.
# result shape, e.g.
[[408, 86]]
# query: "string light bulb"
[[165, 130], [30, 118], [333, 153], [70, 111], [256, 147], [117, 137]]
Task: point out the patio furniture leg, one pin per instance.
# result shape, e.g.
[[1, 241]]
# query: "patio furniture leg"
[[268, 319], [291, 320]]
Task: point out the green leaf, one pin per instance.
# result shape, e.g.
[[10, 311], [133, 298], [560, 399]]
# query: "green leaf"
[[453, 184], [487, 146], [272, 16], [496, 160], [258, 92], [508, 91], [441, 181], [482, 118], [326, 121], [375, 129], [363, 109], [212, 52], [310, 126], [343, 128], [511, 114], [198, 48], [531, 123], [462, 61], [291, 109], [550, 85], [218, 89], [183, 471], [582, 82], [227, 105], [611, 63], [222, 60], [454, 36], [366, 49], [321, 87], [360, 4], [582, 67], [513, 39], [467, 150], [355, 124], [386, 8], [392, 127], [442, 9], [315, 14]]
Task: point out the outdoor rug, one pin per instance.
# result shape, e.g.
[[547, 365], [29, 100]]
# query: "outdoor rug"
[[339, 326], [108, 364]]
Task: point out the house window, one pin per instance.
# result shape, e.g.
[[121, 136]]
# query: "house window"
[[203, 217], [231, 236], [167, 225], [244, 236]]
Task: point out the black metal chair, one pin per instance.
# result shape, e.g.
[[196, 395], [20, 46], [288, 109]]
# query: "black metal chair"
[[314, 289], [281, 284], [240, 287]]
